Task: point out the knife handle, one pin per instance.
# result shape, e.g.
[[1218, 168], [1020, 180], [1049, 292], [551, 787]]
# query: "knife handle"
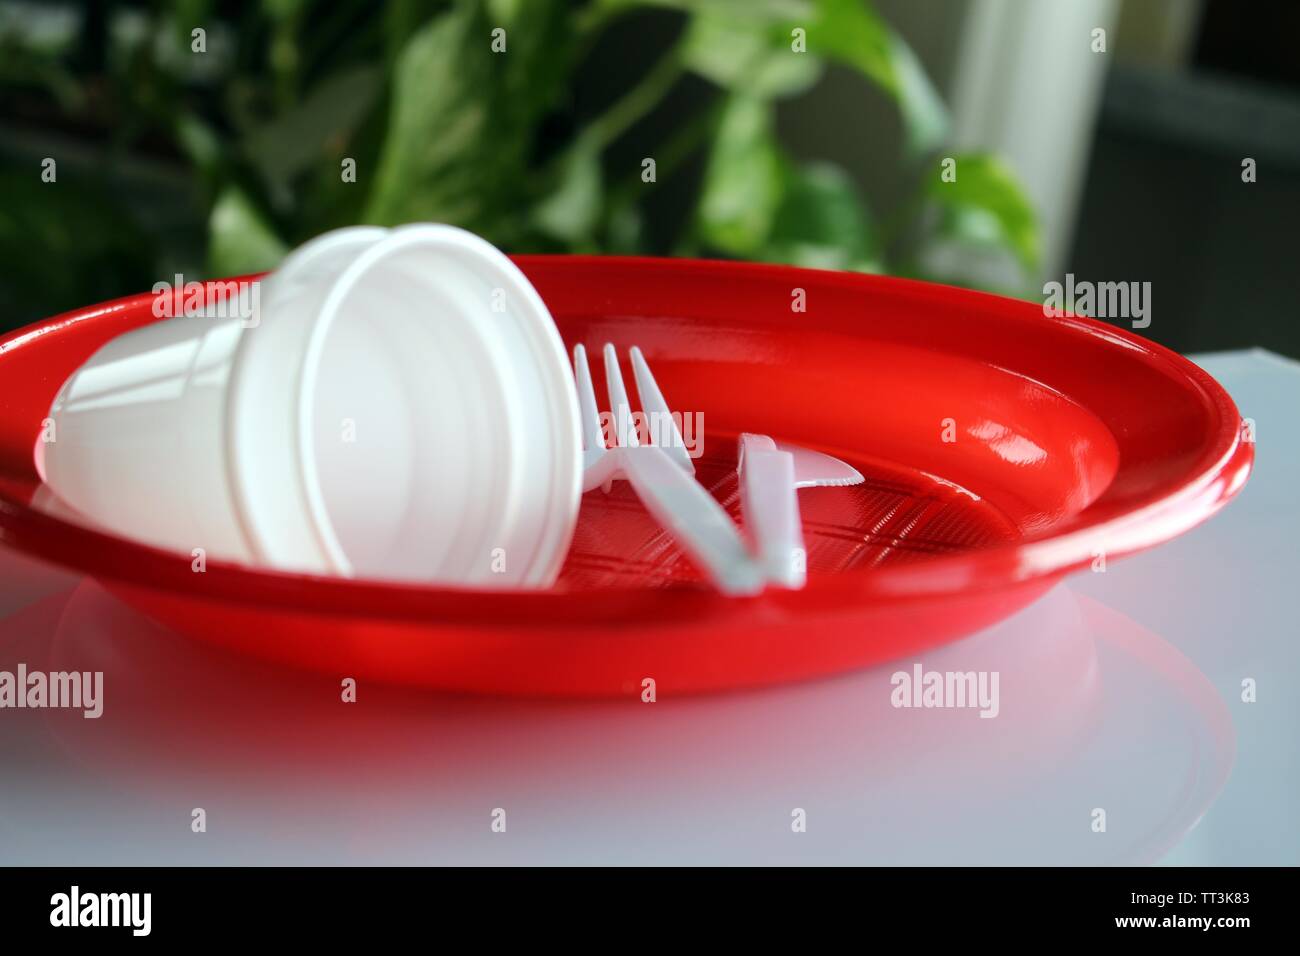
[[771, 512]]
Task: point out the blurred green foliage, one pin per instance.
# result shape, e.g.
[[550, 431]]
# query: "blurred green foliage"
[[247, 140]]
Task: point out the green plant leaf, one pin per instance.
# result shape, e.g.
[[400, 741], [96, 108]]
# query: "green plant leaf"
[[744, 45], [985, 205], [744, 52], [536, 68], [443, 157], [571, 210], [201, 143], [743, 181], [240, 239], [850, 32], [315, 128], [821, 222], [769, 11]]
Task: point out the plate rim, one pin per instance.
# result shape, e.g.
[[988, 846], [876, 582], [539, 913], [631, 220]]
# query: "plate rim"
[[1209, 483]]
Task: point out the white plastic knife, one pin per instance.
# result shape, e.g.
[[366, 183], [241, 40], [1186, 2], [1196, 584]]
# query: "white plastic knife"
[[769, 476], [812, 469]]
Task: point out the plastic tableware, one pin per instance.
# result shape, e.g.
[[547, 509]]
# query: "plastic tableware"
[[812, 469], [660, 472], [386, 406], [770, 477], [1071, 438]]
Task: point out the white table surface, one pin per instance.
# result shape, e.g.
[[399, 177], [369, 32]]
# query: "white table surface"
[[1120, 691]]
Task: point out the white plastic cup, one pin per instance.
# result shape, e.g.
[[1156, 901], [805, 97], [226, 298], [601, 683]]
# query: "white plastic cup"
[[399, 406]]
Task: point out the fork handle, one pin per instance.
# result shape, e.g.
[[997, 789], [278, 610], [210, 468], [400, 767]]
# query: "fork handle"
[[700, 525]]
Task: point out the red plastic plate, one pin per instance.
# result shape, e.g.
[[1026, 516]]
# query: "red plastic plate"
[[1002, 450]]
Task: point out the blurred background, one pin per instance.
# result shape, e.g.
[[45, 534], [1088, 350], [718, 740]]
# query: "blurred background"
[[1102, 138]]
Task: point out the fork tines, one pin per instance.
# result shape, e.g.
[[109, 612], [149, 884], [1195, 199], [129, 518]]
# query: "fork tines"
[[661, 425]]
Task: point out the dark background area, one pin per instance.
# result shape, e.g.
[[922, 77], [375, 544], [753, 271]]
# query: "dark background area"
[[1164, 201], [1160, 197]]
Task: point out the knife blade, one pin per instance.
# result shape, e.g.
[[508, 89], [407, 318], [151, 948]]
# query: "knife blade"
[[769, 475]]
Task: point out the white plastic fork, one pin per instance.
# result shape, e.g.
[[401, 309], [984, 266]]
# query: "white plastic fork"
[[661, 474]]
